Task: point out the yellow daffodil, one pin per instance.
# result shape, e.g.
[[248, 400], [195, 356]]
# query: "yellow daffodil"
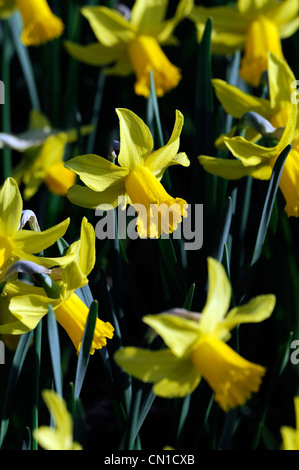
[[133, 44], [252, 159], [43, 150], [290, 436], [40, 24], [136, 180], [256, 26], [197, 348], [60, 437], [24, 305], [18, 243]]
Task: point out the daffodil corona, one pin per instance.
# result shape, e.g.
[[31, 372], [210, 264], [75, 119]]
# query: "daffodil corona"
[[255, 26], [136, 178], [197, 347], [40, 24], [132, 45]]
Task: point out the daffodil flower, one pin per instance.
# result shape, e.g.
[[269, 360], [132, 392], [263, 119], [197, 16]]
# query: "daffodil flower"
[[136, 180], [252, 159], [21, 244], [40, 25], [254, 25], [197, 349], [290, 436], [43, 150], [24, 305], [60, 437], [133, 45]]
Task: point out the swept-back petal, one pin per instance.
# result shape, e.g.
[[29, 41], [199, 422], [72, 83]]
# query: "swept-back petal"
[[256, 310], [87, 247], [161, 158], [280, 79], [34, 242], [236, 102], [94, 54], [234, 169], [96, 172], [283, 12], [10, 207], [146, 14], [107, 199], [172, 376], [179, 334], [136, 141], [218, 298], [109, 26]]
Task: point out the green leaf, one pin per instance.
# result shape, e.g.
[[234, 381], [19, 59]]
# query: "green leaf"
[[85, 349], [54, 346], [269, 203], [16, 367]]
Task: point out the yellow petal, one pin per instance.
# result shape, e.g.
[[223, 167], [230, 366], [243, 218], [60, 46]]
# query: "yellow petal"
[[87, 247], [145, 14], [180, 334], [173, 377], [284, 12], [94, 54], [109, 26], [256, 310], [146, 55], [232, 377], [234, 169], [11, 206], [161, 158], [35, 242], [40, 24], [280, 79], [136, 142], [96, 172], [289, 183], [236, 102], [105, 200], [218, 298]]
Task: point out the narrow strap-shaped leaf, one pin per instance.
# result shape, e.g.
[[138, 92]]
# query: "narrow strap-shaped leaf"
[[85, 348], [54, 346], [269, 202], [223, 231], [16, 367]]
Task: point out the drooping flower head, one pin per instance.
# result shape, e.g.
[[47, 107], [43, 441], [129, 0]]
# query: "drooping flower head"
[[136, 178], [40, 24], [197, 348], [60, 437], [256, 26], [24, 305], [43, 150], [133, 44], [281, 113]]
